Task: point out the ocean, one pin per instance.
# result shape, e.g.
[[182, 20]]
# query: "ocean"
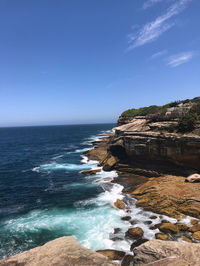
[[43, 195]]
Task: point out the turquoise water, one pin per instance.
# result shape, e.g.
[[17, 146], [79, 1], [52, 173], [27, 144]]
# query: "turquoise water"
[[43, 193]]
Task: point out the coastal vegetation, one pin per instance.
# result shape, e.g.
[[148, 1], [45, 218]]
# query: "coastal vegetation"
[[186, 113]]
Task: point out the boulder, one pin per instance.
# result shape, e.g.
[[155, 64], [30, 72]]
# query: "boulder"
[[161, 236], [127, 260], [169, 195], [161, 253], [112, 254], [135, 233], [117, 230], [153, 217], [119, 204], [194, 228], [90, 172], [126, 218], [168, 228], [195, 178], [182, 227], [196, 235], [59, 252]]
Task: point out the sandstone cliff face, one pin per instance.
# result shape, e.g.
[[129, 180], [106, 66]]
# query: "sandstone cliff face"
[[144, 141], [64, 251]]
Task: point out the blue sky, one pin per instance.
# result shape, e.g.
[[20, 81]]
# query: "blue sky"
[[75, 61]]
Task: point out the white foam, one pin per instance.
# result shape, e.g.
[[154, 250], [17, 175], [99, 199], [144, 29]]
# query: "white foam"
[[64, 166]]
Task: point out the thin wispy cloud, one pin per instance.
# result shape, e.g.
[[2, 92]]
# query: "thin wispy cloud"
[[150, 3], [179, 59], [159, 54], [153, 30]]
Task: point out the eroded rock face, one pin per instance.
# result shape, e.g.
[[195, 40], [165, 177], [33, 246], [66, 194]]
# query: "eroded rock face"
[[158, 252], [64, 251], [143, 140], [169, 195]]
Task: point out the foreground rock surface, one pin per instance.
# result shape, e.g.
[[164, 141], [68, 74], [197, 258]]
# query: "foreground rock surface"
[[167, 253], [112, 254], [64, 251], [169, 195]]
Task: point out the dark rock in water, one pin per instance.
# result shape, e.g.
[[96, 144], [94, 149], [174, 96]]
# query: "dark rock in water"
[[137, 243], [155, 226], [153, 217], [90, 172], [134, 233], [112, 254], [182, 226], [168, 228], [127, 261], [117, 230], [148, 222], [116, 238], [134, 222], [164, 221], [126, 218]]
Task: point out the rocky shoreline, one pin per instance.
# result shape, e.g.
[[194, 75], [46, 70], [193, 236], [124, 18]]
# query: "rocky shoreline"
[[172, 201]]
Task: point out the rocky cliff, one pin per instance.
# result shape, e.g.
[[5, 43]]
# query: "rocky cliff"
[[164, 139], [64, 251]]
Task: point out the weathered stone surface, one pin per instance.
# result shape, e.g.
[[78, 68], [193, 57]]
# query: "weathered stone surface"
[[90, 172], [195, 178], [112, 254], [169, 195], [161, 236], [127, 261], [143, 140], [196, 235], [167, 251], [119, 204], [182, 227], [194, 228], [135, 233], [64, 251], [168, 228]]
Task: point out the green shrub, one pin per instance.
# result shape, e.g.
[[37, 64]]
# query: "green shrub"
[[188, 122], [174, 104], [195, 109]]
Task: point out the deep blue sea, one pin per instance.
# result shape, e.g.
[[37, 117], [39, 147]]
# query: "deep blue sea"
[[43, 195]]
